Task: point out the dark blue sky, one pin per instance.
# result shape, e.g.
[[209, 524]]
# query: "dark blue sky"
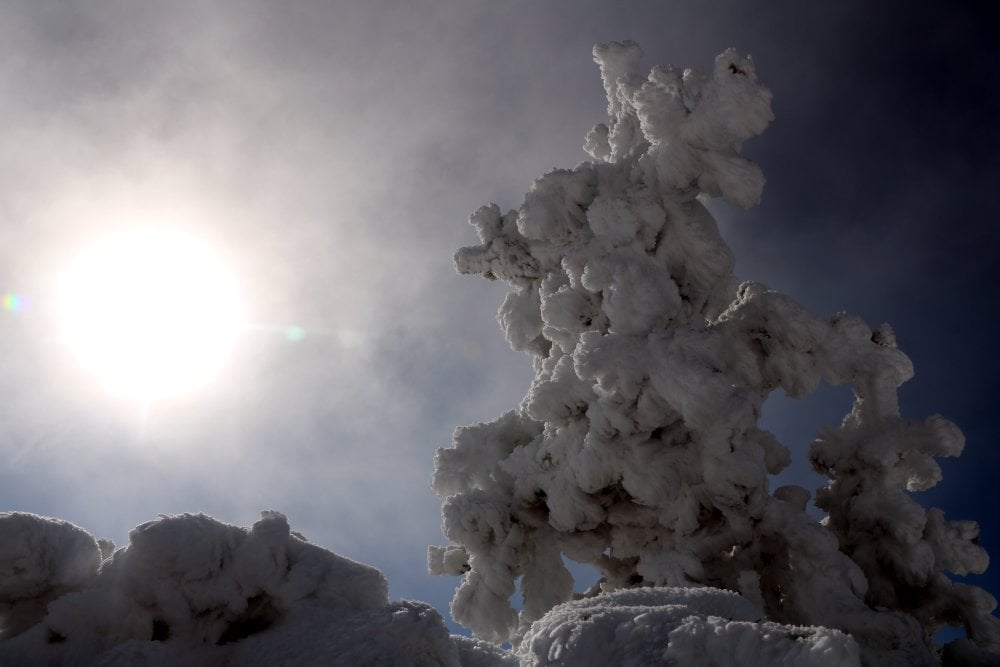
[[335, 149]]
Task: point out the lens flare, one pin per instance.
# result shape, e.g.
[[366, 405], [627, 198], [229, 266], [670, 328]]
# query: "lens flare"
[[14, 303], [294, 334]]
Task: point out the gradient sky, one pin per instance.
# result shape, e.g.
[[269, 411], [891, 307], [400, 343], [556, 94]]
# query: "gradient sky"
[[332, 151]]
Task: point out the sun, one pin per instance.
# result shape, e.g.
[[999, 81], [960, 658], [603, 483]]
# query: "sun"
[[150, 313]]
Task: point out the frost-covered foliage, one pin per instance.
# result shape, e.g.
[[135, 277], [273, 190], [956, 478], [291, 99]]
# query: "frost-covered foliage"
[[637, 448], [189, 590]]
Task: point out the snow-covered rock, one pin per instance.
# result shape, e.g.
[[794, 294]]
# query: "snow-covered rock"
[[190, 590]]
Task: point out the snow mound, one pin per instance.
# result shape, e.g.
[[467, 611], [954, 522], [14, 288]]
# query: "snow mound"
[[41, 559], [677, 626], [191, 590]]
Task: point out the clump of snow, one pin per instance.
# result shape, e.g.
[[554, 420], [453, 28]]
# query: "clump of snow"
[[677, 626], [40, 560], [637, 447], [190, 590]]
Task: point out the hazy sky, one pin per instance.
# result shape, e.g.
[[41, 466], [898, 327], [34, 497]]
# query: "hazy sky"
[[332, 151]]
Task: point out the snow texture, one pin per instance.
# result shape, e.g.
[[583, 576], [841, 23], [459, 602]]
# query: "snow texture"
[[637, 449], [677, 626], [189, 590]]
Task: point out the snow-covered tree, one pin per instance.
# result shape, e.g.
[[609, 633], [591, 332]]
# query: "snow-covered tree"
[[637, 448]]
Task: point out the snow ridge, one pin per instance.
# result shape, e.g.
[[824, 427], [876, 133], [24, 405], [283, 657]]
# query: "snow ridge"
[[190, 590]]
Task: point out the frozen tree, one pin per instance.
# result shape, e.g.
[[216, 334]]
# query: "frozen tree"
[[637, 449]]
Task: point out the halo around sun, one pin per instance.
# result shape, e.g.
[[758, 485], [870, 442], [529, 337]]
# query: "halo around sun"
[[151, 313]]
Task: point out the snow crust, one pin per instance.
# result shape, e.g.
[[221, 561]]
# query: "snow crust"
[[190, 590], [677, 626], [637, 449]]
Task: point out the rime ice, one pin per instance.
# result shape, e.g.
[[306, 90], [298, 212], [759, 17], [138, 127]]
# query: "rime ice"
[[189, 590], [636, 448], [677, 626]]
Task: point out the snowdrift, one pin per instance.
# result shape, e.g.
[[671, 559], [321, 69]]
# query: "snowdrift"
[[190, 590]]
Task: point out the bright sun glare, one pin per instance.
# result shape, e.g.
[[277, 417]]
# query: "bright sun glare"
[[151, 313]]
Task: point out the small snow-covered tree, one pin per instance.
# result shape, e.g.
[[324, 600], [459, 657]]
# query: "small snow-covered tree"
[[637, 448]]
